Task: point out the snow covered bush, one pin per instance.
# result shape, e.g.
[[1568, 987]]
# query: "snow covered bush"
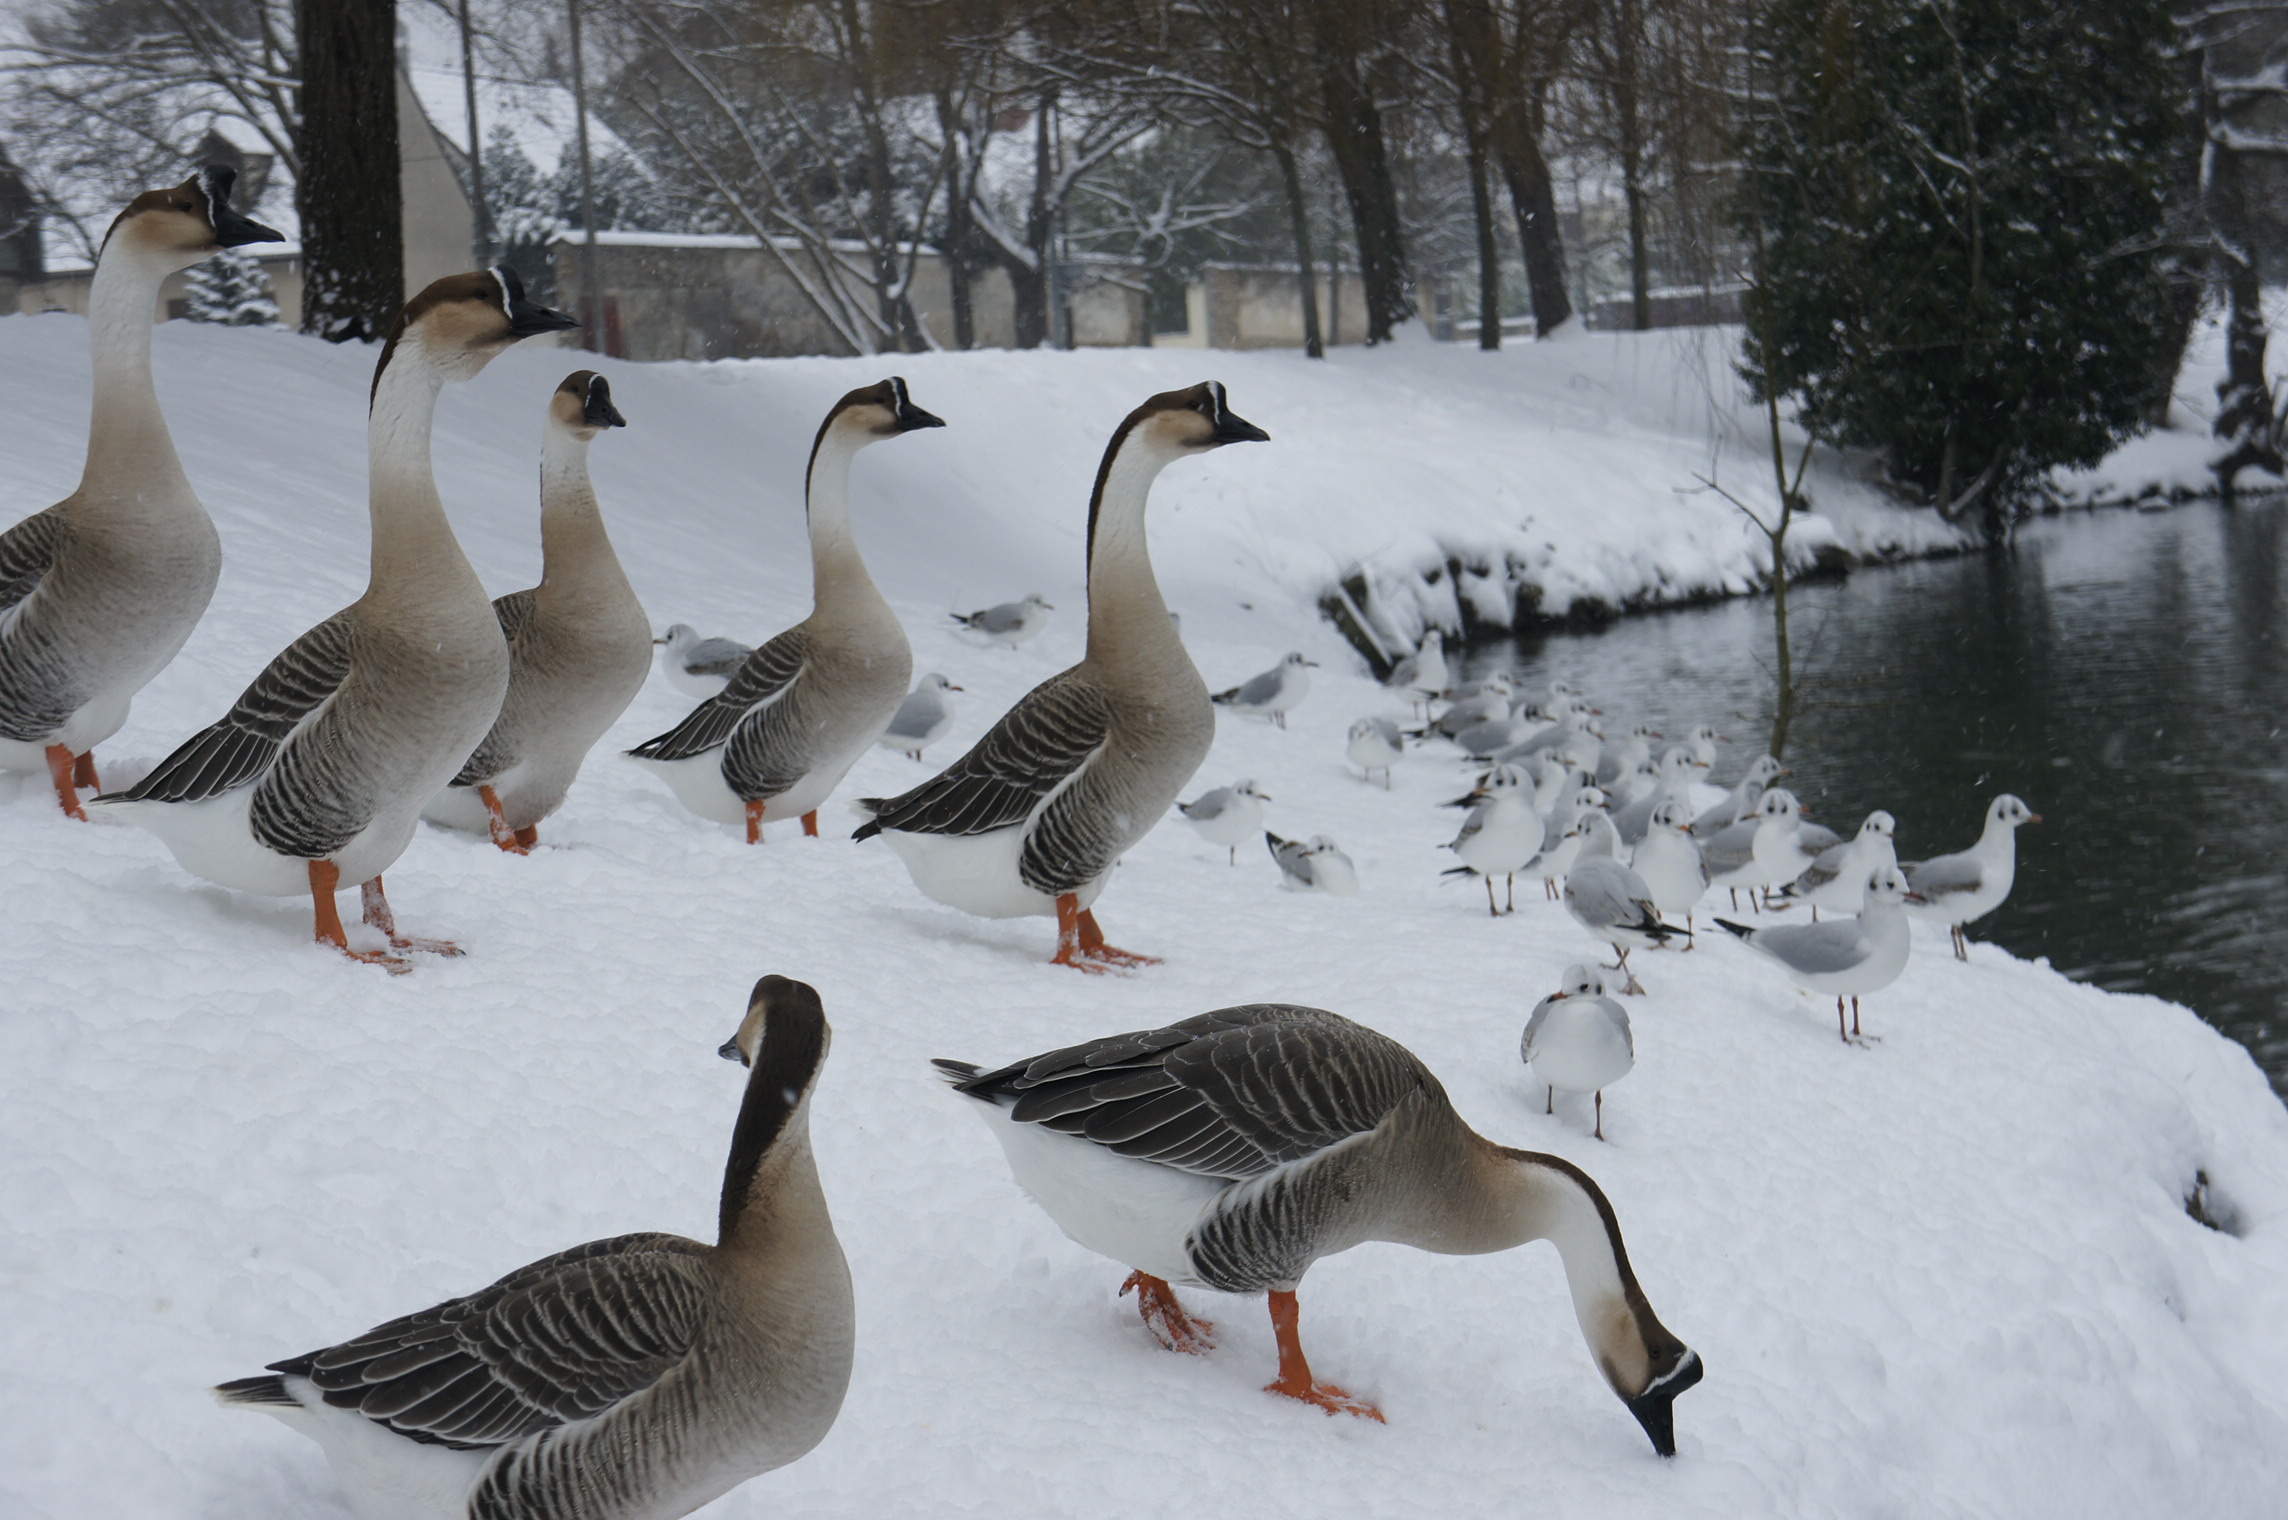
[[231, 289]]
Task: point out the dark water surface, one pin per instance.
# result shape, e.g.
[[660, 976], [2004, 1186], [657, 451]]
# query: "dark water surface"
[[2126, 673]]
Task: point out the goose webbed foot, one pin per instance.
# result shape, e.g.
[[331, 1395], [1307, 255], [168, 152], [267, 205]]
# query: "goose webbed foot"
[[1164, 1315], [1295, 1380], [510, 841], [378, 915], [810, 824], [325, 879], [83, 772], [63, 771], [754, 823], [528, 836], [1080, 943]]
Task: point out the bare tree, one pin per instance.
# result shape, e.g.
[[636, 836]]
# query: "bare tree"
[[349, 193]]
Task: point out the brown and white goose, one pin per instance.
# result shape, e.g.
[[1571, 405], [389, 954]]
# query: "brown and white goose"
[[640, 1376], [809, 702], [99, 592], [317, 775], [1032, 820], [579, 644], [1232, 1150]]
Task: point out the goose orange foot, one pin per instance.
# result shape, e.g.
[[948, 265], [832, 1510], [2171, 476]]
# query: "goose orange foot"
[[377, 915], [62, 770], [496, 822], [1092, 944], [1295, 1380], [1165, 1317], [325, 880]]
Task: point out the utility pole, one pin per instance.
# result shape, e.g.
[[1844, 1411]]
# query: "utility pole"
[[483, 250], [590, 303]]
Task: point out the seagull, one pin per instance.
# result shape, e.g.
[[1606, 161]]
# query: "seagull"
[[1611, 901], [1501, 834], [1495, 734], [1313, 865], [1617, 759], [1560, 841], [1011, 623], [1956, 889], [699, 667], [1702, 741], [922, 719], [1837, 880], [1677, 771], [1846, 957], [1762, 772], [1275, 692], [1488, 701], [1422, 674], [1376, 745], [1764, 847], [1579, 1039], [1668, 858], [1493, 680], [1229, 815]]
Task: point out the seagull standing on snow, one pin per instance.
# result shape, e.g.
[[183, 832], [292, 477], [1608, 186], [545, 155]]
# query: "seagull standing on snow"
[[1956, 889], [922, 719], [1313, 865], [1009, 624], [1668, 858], [1844, 957], [1764, 847], [1501, 834], [1422, 674], [1376, 745], [1837, 880], [1762, 772], [1229, 815], [699, 667], [1611, 901], [1579, 1039], [1274, 693]]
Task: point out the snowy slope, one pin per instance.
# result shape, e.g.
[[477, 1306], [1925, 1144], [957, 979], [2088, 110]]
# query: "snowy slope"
[[1949, 1276]]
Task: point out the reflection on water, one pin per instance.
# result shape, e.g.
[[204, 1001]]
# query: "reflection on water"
[[2125, 673]]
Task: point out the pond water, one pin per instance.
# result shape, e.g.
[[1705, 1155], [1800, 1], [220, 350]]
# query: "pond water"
[[2126, 673]]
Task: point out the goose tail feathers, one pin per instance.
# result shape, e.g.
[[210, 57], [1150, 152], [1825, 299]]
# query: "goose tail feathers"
[[255, 1392]]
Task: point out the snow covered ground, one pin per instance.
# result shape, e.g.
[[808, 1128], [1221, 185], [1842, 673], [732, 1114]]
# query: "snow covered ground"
[[1951, 1275]]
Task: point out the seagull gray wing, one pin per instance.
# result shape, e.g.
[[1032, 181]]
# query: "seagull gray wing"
[[716, 657], [26, 552], [1817, 838], [1533, 1027], [998, 619], [247, 742], [561, 1340], [1825, 869], [762, 679], [1405, 672], [1945, 876], [1606, 892], [917, 715], [1209, 806], [1036, 748], [1254, 691], [1732, 846], [1817, 949]]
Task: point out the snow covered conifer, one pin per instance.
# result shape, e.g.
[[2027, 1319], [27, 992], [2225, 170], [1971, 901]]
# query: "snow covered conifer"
[[232, 290]]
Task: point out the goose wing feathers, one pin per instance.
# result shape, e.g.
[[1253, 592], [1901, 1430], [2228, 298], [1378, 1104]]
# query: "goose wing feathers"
[[515, 612], [1233, 1093], [763, 678], [1038, 746], [246, 742], [563, 1339], [26, 552]]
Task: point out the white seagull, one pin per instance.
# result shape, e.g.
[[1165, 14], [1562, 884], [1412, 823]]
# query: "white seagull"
[[1668, 858], [1501, 834], [1313, 865], [699, 667], [1956, 889], [1274, 693], [1422, 674], [1010, 623], [922, 719], [1611, 901], [1845, 957], [1762, 772], [1229, 815], [1837, 880], [1578, 1039], [1376, 744]]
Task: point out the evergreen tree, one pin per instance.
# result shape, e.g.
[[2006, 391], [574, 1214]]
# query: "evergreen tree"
[[1956, 210], [232, 290]]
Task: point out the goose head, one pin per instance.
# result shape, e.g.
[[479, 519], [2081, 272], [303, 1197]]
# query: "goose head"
[[780, 1012], [582, 407], [460, 323], [1192, 421], [2008, 812], [177, 227], [876, 411]]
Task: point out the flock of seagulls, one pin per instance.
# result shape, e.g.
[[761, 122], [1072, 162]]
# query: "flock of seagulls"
[[646, 1374]]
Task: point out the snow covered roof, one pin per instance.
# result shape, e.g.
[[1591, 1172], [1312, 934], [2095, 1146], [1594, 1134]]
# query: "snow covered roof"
[[540, 117]]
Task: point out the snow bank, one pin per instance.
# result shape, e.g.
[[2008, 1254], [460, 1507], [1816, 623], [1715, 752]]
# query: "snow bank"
[[1953, 1275]]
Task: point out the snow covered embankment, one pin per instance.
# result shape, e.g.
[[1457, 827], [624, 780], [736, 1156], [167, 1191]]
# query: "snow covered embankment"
[[1949, 1276]]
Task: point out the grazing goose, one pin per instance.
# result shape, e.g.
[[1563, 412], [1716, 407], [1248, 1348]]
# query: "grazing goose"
[[1032, 820], [1578, 1039], [1668, 858], [634, 1378], [579, 644], [1837, 879], [317, 775], [1610, 900], [922, 719], [804, 706], [1376, 744], [1845, 957], [1422, 674], [1010, 623], [98, 592], [1273, 694], [1234, 1149], [1762, 772], [1958, 889], [699, 667], [1229, 815], [1500, 836], [1316, 864]]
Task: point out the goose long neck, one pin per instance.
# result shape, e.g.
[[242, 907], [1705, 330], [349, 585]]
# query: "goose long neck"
[[1126, 612], [837, 570], [1535, 1197], [573, 544], [127, 439], [414, 550], [770, 1192]]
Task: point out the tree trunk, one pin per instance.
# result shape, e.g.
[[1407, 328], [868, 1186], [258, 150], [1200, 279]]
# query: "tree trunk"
[[1299, 210], [1354, 134], [1631, 127], [350, 199], [1464, 37], [1534, 198], [1489, 249], [959, 234], [1029, 287], [2245, 431]]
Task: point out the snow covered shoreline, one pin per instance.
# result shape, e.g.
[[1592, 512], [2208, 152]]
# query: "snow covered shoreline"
[[1953, 1275]]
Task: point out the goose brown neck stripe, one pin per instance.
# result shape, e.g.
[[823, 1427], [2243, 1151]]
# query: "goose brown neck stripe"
[[793, 1045]]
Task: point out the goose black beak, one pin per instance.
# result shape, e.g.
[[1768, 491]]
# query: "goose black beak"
[[598, 411], [729, 1050], [1655, 1408], [527, 318], [230, 229], [1232, 428]]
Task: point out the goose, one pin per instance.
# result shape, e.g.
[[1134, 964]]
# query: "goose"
[[317, 775], [634, 1378], [1376, 744], [1845, 957], [1578, 1039], [1273, 694], [699, 667], [1010, 623], [1316, 864], [1233, 1149], [922, 719], [1610, 900], [1837, 879], [802, 709], [1500, 836], [1032, 820], [1957, 889], [1229, 816], [1422, 674], [1673, 783], [98, 592], [1764, 847], [579, 645], [1762, 772], [1668, 858]]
